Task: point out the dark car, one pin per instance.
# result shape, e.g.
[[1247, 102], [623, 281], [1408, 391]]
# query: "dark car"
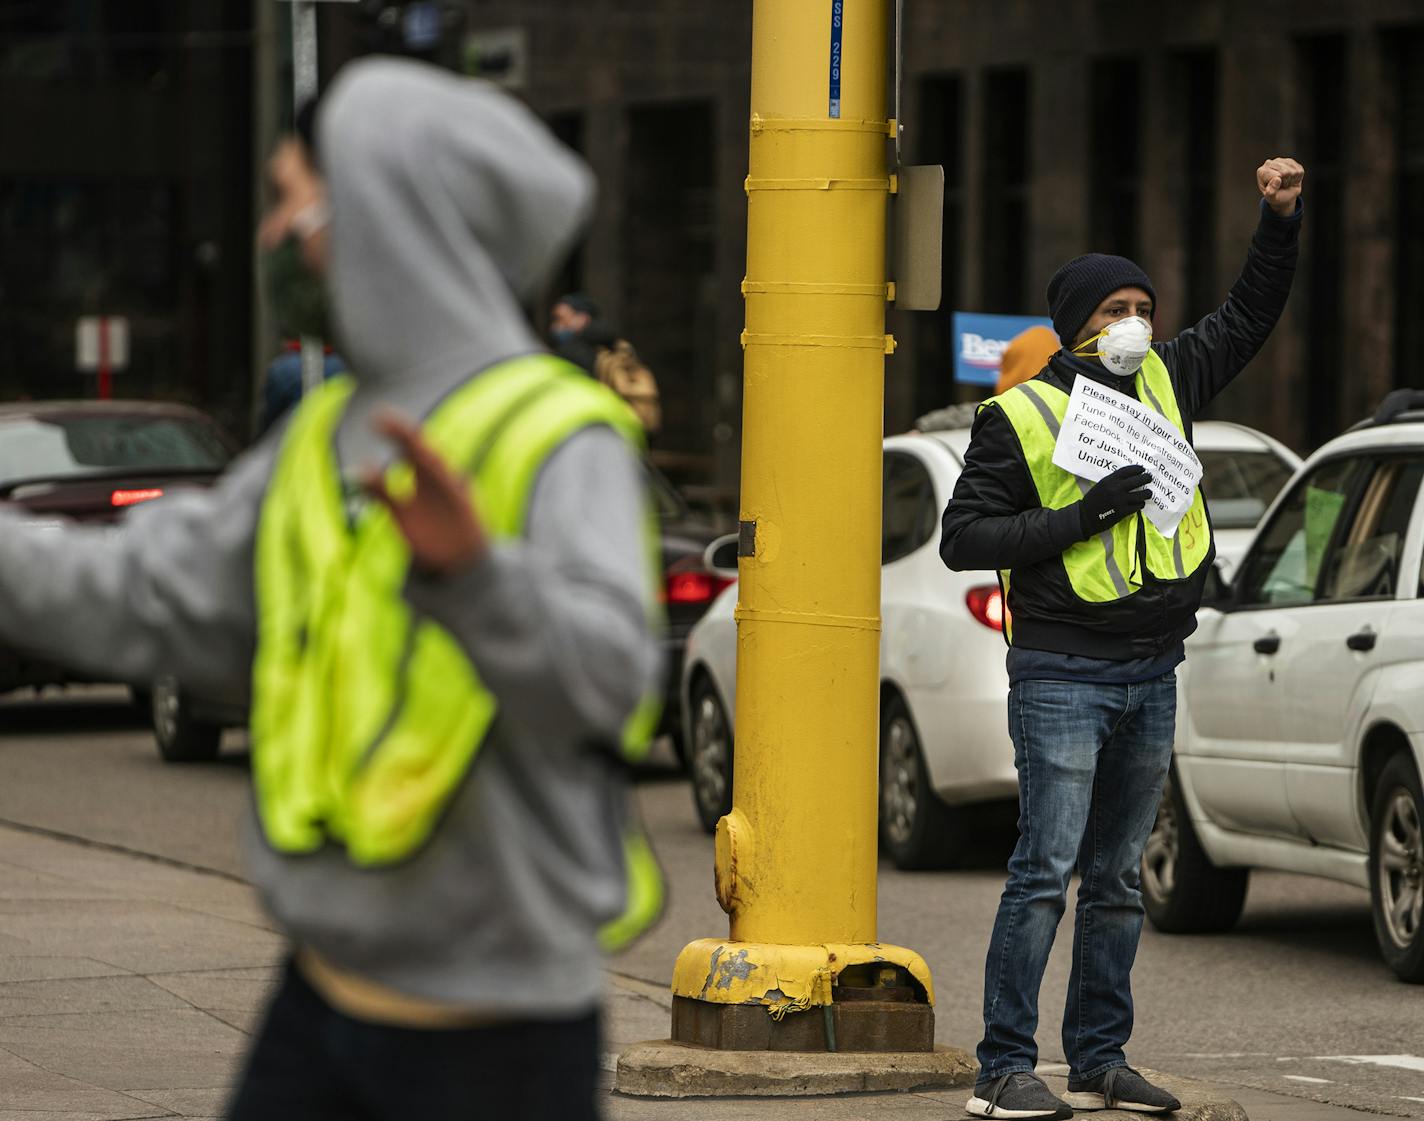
[[689, 586], [93, 461]]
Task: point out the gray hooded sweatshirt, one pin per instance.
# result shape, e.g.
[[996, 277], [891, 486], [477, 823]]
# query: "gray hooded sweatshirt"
[[449, 202]]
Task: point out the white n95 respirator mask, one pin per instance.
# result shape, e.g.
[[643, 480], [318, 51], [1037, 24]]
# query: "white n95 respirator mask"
[[1122, 346]]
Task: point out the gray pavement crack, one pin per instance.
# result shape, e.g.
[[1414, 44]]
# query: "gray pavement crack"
[[196, 1007], [85, 1083], [123, 850]]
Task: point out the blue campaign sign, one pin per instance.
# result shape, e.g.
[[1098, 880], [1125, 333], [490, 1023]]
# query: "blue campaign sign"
[[979, 341]]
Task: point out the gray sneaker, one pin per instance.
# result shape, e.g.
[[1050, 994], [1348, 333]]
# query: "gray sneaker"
[[1120, 1088], [1017, 1096]]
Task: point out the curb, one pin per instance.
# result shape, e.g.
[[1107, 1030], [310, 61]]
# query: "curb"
[[663, 1069]]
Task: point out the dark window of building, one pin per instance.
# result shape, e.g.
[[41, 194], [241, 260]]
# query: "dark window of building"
[[73, 247], [940, 140], [669, 262], [147, 44], [129, 193], [1324, 95], [568, 127], [1113, 152], [1409, 244], [1195, 105], [1006, 183]]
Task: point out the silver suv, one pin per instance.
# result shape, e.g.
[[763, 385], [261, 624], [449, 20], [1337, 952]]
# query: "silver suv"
[[1300, 735]]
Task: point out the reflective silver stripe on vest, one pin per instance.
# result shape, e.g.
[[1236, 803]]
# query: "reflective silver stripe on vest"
[[1106, 537], [1176, 537], [1152, 397]]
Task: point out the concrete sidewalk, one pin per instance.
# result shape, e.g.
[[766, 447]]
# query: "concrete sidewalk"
[[129, 987]]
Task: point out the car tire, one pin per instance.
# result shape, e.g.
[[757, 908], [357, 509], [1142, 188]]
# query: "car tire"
[[709, 753], [1182, 890], [1397, 868], [917, 829], [181, 739]]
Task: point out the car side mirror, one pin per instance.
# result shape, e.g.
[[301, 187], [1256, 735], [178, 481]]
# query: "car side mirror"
[[1217, 592], [721, 556]]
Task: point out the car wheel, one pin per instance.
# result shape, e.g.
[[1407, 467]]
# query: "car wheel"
[[917, 829], [1397, 868], [709, 755], [1182, 890], [181, 739]]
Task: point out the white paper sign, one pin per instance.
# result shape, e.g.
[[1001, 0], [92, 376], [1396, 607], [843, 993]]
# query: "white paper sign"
[[1103, 431]]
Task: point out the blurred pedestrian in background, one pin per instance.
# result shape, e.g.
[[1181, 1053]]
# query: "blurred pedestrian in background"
[[1026, 355], [450, 656], [581, 336], [282, 384], [577, 330]]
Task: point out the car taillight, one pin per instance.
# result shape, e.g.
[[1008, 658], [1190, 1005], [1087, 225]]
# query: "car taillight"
[[694, 586], [986, 603], [134, 497]]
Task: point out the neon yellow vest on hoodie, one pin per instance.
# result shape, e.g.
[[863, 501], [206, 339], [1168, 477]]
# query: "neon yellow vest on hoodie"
[[367, 717], [1105, 567]]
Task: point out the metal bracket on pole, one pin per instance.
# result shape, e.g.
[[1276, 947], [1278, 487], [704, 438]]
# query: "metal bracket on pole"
[[917, 246]]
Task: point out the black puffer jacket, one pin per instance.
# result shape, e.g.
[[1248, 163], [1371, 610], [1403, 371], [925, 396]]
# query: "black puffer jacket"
[[995, 521]]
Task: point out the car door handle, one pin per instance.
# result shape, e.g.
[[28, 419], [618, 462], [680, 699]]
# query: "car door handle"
[[1362, 640], [1267, 644]]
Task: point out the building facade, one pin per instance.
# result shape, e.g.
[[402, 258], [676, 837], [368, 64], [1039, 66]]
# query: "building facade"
[[1064, 126], [126, 189], [130, 178]]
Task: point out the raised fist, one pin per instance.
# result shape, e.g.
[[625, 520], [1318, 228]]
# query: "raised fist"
[[1280, 180]]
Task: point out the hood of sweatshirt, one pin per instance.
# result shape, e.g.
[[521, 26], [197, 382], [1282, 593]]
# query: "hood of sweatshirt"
[[451, 205]]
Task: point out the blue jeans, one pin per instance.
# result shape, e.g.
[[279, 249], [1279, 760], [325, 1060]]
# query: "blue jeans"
[[1091, 762]]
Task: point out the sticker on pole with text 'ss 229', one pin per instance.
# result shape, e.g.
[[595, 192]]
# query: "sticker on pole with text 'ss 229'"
[[837, 19]]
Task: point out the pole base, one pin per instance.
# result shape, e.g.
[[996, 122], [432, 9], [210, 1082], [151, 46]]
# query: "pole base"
[[849, 1026], [674, 1070]]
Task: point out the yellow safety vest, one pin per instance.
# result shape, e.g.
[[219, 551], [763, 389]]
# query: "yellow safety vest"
[[1106, 567], [366, 716]]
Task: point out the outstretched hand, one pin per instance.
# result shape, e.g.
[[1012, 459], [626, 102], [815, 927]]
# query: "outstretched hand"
[[1280, 180], [436, 517]]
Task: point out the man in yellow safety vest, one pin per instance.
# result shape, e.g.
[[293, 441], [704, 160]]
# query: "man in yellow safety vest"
[[1099, 598], [450, 652]]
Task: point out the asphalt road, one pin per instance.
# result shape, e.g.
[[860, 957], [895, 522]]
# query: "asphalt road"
[[1295, 1001]]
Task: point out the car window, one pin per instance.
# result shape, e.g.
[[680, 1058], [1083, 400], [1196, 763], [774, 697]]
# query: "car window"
[[909, 514], [64, 447], [1241, 485], [1363, 561], [1283, 566]]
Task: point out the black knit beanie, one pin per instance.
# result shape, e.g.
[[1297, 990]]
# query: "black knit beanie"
[[1083, 283]]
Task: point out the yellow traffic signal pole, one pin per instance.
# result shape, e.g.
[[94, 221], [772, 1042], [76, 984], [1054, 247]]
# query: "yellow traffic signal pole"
[[796, 857]]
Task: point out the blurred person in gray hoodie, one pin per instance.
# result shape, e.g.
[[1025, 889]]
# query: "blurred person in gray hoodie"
[[449, 656]]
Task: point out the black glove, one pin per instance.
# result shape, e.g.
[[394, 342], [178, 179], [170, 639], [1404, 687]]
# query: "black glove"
[[1113, 497]]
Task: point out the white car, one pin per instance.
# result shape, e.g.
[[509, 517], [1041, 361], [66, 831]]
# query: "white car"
[[944, 743], [1243, 471], [1300, 738]]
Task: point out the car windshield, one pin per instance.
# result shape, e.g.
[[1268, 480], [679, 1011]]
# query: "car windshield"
[[1240, 485], [69, 447]]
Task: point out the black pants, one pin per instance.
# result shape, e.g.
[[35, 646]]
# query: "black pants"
[[312, 1063]]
